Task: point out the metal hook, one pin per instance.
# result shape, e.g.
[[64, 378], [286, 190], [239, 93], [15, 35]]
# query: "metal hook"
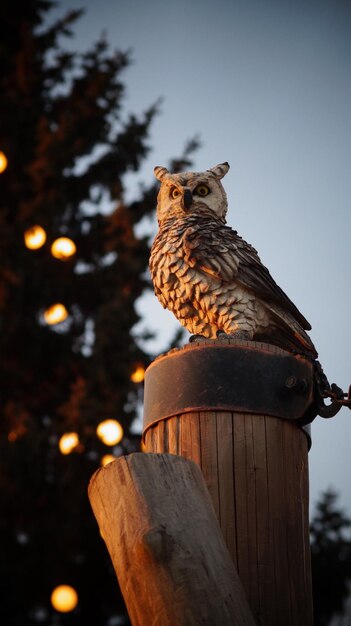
[[339, 399]]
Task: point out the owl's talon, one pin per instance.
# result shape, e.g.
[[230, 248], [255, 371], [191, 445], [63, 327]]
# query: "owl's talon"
[[222, 337], [197, 338], [241, 334], [221, 333]]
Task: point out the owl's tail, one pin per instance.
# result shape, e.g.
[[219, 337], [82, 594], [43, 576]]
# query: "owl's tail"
[[288, 335]]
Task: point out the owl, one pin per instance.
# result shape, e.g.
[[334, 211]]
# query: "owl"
[[208, 276]]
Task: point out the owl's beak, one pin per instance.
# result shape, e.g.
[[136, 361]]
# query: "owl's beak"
[[187, 199]]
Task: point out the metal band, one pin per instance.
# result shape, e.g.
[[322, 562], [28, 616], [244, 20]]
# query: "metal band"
[[241, 376]]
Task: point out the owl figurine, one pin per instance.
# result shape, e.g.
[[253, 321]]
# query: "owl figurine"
[[208, 276]]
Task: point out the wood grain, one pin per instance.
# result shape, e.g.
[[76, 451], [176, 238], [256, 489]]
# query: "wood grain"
[[172, 564], [209, 456], [225, 455]]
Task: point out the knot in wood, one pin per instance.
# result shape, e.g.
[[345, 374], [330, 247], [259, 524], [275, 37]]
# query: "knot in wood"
[[159, 543]]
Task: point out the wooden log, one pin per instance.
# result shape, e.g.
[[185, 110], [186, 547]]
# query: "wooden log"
[[172, 565], [256, 469]]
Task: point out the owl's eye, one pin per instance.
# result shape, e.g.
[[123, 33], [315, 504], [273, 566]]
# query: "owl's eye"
[[175, 193], [202, 190]]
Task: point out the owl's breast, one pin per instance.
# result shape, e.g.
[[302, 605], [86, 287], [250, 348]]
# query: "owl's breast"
[[191, 285], [178, 284], [169, 270]]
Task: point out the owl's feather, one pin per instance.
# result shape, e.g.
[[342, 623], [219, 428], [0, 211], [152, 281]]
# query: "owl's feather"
[[218, 250]]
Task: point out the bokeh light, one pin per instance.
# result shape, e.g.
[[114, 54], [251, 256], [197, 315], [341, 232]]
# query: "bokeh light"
[[106, 459], [68, 442], [55, 314], [63, 248], [34, 237], [3, 162], [64, 598], [110, 432], [17, 432], [138, 375]]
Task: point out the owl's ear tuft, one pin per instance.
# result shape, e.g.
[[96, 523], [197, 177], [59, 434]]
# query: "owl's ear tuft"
[[160, 172], [220, 170]]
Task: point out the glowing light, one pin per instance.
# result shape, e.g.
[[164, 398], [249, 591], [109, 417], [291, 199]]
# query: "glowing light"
[[138, 375], [34, 237], [17, 433], [3, 162], [64, 598], [63, 248], [68, 443], [110, 432], [55, 314], [107, 458]]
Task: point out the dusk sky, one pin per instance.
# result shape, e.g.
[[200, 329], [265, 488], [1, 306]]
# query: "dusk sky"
[[266, 86]]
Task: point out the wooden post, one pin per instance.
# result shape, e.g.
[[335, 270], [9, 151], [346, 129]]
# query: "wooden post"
[[158, 522], [238, 410]]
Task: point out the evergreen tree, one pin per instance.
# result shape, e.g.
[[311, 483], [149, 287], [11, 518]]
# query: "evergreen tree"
[[331, 559], [68, 145]]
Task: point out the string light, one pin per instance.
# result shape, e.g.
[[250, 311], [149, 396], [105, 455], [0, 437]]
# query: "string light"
[[110, 432], [138, 375], [55, 314], [34, 237], [107, 458], [64, 598], [3, 162], [63, 248], [68, 442], [18, 432]]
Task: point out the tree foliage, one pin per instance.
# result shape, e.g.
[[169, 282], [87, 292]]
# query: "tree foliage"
[[331, 558], [69, 145]]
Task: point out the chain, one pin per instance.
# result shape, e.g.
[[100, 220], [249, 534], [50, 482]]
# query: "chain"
[[324, 390]]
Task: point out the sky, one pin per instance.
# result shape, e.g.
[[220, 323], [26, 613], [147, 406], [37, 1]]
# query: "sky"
[[266, 85]]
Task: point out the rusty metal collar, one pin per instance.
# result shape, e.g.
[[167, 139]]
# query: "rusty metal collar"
[[241, 376]]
